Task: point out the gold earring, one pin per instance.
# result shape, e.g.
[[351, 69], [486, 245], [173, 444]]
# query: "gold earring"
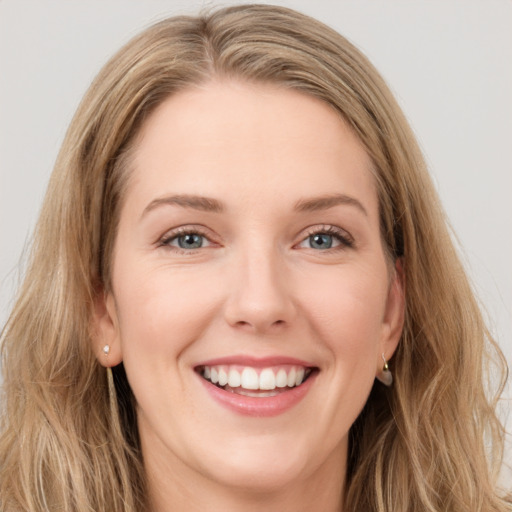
[[112, 398], [386, 377], [112, 394]]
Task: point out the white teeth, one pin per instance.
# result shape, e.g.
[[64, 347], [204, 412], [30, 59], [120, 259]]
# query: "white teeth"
[[223, 377], [234, 379], [300, 376], [267, 379], [291, 378], [281, 379], [247, 378], [250, 379]]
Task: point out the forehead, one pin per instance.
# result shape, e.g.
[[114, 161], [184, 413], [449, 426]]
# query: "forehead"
[[245, 141]]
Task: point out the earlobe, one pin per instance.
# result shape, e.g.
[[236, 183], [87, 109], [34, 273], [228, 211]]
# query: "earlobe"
[[105, 330]]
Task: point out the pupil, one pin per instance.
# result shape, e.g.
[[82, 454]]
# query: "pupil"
[[190, 241], [321, 241]]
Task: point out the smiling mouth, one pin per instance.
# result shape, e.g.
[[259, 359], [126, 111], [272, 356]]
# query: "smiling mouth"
[[255, 382]]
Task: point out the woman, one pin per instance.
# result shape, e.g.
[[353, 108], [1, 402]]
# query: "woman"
[[241, 230]]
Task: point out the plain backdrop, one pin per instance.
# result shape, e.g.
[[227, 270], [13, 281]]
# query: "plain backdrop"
[[447, 61]]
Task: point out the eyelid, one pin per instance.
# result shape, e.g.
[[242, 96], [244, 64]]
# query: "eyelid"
[[164, 240], [344, 237]]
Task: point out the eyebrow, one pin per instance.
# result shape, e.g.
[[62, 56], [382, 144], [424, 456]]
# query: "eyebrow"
[[205, 204], [208, 204], [326, 202]]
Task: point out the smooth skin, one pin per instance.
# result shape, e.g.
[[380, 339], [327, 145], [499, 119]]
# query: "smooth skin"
[[250, 226]]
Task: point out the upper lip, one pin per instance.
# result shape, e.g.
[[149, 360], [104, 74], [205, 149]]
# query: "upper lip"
[[256, 362]]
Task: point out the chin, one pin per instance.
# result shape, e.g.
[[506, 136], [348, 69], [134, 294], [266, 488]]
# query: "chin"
[[261, 478], [263, 466]]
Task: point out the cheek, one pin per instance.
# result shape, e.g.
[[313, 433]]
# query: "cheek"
[[162, 311], [346, 310], [161, 314]]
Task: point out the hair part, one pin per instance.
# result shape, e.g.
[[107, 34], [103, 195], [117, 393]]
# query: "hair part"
[[417, 447]]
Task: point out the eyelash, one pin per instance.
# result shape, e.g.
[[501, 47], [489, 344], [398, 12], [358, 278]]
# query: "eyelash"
[[166, 240], [340, 235]]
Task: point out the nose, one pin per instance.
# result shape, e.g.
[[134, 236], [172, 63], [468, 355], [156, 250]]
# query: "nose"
[[260, 298]]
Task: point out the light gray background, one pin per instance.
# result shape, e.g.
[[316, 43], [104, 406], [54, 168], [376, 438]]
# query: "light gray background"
[[448, 62]]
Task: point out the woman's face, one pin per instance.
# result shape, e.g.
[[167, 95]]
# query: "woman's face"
[[249, 251]]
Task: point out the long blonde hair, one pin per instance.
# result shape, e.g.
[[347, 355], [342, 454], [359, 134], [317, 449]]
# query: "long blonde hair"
[[430, 443]]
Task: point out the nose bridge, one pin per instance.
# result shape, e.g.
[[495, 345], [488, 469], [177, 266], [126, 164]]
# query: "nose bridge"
[[260, 298]]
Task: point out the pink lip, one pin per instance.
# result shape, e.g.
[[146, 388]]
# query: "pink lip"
[[258, 406]]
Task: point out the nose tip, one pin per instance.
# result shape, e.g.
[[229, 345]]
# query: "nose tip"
[[260, 299]]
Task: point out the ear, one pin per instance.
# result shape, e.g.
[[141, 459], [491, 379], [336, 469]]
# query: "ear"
[[393, 322], [105, 330]]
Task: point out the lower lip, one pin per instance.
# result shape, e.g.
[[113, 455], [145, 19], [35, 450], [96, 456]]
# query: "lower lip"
[[263, 406]]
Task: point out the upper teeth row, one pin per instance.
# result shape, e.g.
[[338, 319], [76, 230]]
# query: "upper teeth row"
[[248, 378]]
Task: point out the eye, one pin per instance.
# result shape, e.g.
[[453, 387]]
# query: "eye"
[[325, 238], [185, 240], [321, 241], [188, 241]]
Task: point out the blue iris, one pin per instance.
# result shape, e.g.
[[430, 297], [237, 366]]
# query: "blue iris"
[[190, 241], [321, 241]]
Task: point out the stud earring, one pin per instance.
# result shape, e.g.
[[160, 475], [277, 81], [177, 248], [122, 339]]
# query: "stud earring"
[[106, 349], [386, 377]]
